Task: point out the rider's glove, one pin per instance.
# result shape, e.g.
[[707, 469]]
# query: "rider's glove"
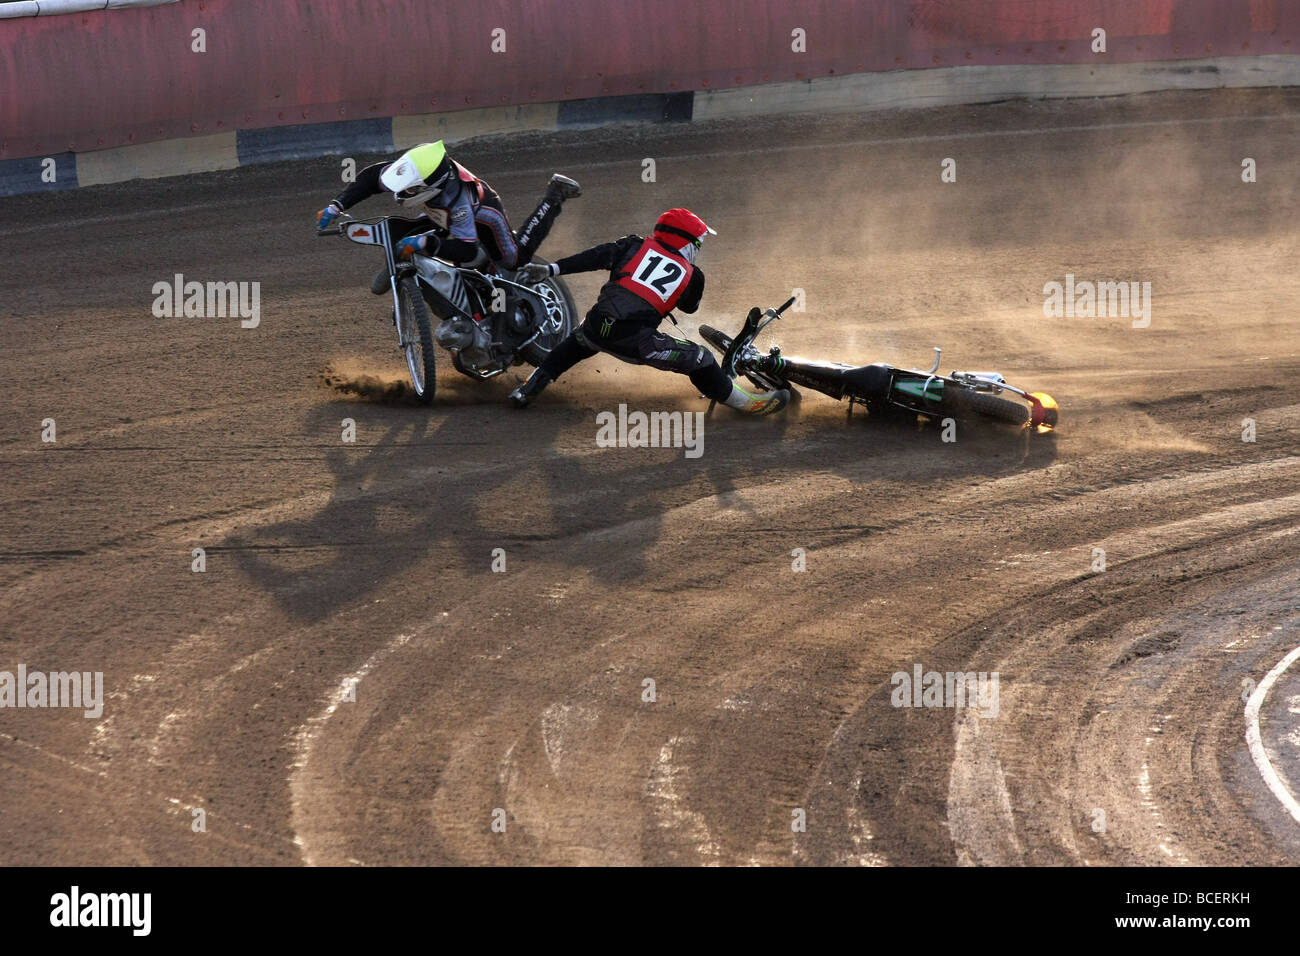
[[328, 215], [425, 245], [535, 272]]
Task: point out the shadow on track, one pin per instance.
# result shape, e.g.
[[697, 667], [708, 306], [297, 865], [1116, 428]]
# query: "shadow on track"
[[435, 483]]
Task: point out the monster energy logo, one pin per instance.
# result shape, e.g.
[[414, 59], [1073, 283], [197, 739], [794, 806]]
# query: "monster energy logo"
[[606, 327]]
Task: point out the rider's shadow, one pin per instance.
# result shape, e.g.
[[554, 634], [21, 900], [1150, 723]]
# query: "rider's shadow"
[[388, 508], [284, 558]]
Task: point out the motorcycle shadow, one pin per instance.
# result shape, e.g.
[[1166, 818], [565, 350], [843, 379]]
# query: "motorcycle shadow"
[[419, 484], [820, 438], [400, 493], [970, 436]]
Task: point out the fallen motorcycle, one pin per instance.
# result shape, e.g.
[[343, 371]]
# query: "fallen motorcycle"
[[487, 321], [881, 388]]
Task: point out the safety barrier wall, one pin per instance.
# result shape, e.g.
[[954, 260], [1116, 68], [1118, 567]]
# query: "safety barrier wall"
[[206, 68]]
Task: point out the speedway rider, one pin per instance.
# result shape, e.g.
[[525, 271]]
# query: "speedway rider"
[[648, 278], [454, 202]]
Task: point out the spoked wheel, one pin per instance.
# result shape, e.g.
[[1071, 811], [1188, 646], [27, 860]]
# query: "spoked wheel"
[[415, 338], [560, 318], [719, 340], [982, 403]]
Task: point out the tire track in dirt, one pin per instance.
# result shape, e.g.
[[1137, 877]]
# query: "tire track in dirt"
[[523, 691]]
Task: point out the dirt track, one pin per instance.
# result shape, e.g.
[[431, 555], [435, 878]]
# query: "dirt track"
[[1120, 691]]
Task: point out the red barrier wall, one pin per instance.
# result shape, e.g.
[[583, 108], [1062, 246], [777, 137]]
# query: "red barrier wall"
[[112, 78]]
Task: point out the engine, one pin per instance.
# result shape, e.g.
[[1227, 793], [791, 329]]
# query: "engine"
[[467, 337], [485, 344]]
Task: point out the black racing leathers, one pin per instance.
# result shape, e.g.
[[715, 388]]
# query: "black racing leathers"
[[626, 325], [617, 302]]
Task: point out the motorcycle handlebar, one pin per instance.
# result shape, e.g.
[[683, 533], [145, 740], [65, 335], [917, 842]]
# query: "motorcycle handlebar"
[[343, 220], [788, 302]]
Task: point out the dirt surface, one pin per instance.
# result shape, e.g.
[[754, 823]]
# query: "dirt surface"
[[1120, 731]]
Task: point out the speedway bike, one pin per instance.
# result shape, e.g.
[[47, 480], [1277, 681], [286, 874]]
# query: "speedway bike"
[[879, 388], [486, 320]]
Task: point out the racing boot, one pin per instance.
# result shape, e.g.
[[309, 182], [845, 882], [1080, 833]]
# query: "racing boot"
[[561, 188], [379, 284], [757, 403], [539, 223], [523, 396]]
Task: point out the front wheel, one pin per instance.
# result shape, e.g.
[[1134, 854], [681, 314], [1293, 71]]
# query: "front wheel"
[[415, 338], [719, 340]]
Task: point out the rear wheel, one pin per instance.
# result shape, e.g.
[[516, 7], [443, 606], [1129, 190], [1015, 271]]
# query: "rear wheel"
[[982, 403], [560, 319], [415, 338]]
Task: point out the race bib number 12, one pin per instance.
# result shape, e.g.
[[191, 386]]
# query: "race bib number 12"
[[660, 275]]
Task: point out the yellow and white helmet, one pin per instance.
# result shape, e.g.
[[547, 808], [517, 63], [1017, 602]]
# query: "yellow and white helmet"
[[419, 174]]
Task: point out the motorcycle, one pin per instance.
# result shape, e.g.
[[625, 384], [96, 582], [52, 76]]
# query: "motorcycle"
[[487, 321], [880, 388]]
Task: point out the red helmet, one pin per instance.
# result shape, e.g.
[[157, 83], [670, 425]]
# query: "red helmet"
[[678, 227]]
